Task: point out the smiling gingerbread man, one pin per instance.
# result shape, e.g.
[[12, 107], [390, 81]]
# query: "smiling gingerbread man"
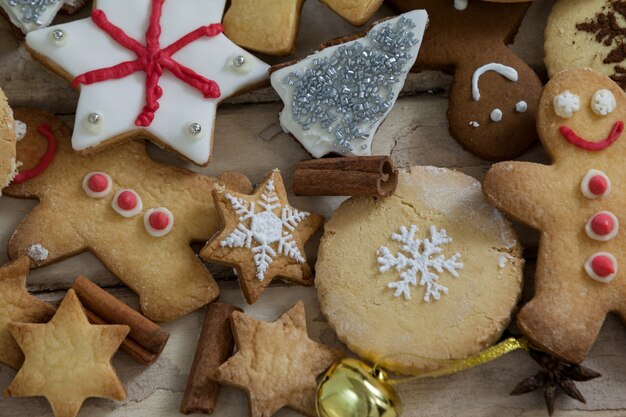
[[577, 203]]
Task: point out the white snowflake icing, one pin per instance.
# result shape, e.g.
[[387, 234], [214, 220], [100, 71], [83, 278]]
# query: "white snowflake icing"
[[420, 261], [259, 231]]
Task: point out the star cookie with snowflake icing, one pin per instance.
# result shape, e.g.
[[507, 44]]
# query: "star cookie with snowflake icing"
[[263, 236], [148, 68], [336, 99]]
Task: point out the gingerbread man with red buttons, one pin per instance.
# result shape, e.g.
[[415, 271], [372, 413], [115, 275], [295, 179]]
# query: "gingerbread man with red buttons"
[[577, 204]]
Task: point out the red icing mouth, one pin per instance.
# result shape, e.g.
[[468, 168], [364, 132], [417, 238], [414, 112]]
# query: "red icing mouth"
[[576, 140], [45, 161]]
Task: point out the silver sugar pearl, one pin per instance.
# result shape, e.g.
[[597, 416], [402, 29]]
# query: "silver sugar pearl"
[[239, 60], [58, 34], [195, 128], [93, 118]]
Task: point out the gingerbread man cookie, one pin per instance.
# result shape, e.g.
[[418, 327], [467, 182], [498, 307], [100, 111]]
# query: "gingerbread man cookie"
[[136, 215], [577, 203], [8, 164], [494, 95], [148, 68]]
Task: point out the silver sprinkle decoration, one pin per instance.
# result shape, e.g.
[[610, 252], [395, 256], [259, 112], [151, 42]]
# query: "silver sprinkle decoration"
[[93, 118], [239, 60], [32, 9], [353, 88], [57, 34], [195, 128]]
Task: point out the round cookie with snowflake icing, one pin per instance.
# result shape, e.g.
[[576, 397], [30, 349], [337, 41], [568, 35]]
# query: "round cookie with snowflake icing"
[[433, 272], [8, 164]]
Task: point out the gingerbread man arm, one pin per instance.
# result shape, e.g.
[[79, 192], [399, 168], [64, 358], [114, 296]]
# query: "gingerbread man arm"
[[53, 232], [518, 189]]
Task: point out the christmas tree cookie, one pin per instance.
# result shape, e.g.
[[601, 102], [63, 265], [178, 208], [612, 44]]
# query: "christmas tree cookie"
[[262, 236], [433, 272], [577, 204], [137, 216], [154, 69]]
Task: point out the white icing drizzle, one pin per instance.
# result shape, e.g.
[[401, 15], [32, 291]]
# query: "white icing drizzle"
[[37, 252], [127, 213], [496, 115], [521, 107], [507, 72], [460, 4], [20, 130], [154, 232], [566, 104], [603, 103]]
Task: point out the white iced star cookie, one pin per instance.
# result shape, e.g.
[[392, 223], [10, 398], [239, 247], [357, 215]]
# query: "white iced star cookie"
[[148, 68], [262, 236], [433, 271], [29, 15], [336, 99]]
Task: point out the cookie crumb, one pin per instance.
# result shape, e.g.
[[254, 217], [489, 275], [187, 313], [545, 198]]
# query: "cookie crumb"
[[37, 252]]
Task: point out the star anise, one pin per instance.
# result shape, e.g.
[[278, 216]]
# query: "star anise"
[[554, 375]]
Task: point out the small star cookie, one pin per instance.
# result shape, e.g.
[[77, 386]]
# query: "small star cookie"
[[276, 363], [577, 204], [262, 236], [17, 305], [137, 216], [68, 359], [266, 26]]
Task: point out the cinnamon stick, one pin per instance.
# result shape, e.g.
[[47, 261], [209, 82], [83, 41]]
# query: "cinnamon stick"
[[215, 345], [145, 341], [353, 176]]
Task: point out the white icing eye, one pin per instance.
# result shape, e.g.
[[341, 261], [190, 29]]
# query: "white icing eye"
[[566, 104], [603, 103], [127, 203], [158, 222], [97, 184], [595, 184], [496, 115], [241, 63], [20, 130]]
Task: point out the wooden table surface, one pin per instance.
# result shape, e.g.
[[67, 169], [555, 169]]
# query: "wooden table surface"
[[416, 133]]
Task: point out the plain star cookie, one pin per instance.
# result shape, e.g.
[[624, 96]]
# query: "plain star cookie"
[[29, 15], [494, 94], [17, 306], [137, 216], [577, 205], [266, 26], [587, 34], [276, 363], [68, 359], [148, 68], [433, 271], [262, 236], [336, 99], [8, 163]]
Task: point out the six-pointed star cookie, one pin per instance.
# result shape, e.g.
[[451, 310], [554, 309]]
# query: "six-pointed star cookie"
[[68, 359], [499, 122], [266, 26], [577, 204], [262, 236], [148, 68], [136, 215], [276, 363], [17, 305]]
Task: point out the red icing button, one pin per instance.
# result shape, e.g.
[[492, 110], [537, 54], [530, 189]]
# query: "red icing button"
[[603, 266], [598, 185], [159, 220], [127, 200], [97, 183], [602, 224]]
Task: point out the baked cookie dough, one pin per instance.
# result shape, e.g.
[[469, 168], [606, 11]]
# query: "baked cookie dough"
[[8, 164], [587, 34], [439, 232]]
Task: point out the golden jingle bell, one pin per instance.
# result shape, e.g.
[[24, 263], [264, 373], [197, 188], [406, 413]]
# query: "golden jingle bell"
[[352, 388]]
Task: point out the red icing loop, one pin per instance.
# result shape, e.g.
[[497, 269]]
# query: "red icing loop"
[[45, 161], [127, 200], [576, 140], [603, 266], [598, 185], [152, 59], [602, 224], [97, 183], [159, 220]]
